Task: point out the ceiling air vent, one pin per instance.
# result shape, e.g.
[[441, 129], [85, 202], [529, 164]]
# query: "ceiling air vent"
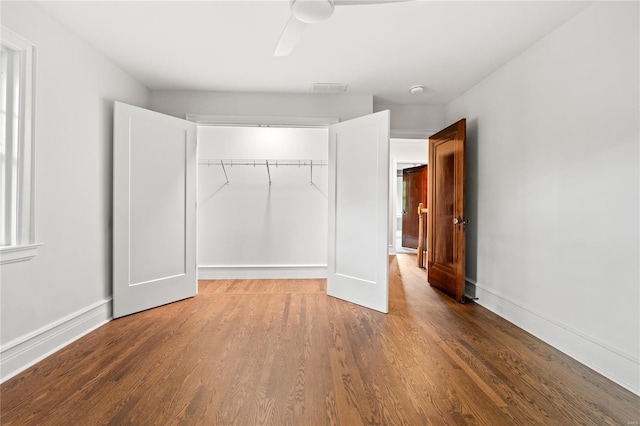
[[329, 88]]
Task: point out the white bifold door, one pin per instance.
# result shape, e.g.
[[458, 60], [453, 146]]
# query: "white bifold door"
[[358, 262], [154, 210]]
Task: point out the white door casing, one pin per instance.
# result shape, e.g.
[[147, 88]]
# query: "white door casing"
[[358, 262], [154, 209]]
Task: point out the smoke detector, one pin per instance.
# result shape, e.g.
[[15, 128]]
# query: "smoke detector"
[[416, 90]]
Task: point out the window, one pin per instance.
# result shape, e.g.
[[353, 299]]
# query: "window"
[[17, 236]]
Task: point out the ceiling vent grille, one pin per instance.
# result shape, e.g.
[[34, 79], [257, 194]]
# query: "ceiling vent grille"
[[329, 88]]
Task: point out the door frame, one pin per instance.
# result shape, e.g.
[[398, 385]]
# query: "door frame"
[[260, 120], [215, 120], [292, 271]]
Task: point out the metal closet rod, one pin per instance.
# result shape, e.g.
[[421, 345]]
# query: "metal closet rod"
[[267, 163], [299, 163]]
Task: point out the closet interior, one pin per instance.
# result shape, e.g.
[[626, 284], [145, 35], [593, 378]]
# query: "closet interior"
[[262, 201]]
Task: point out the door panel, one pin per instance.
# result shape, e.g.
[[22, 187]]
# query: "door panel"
[[154, 202], [446, 222], [443, 208], [157, 254], [358, 211], [414, 182]]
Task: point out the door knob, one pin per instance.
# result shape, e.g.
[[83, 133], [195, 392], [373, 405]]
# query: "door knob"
[[456, 220]]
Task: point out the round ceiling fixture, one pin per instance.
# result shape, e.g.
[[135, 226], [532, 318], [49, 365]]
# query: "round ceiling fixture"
[[311, 11], [416, 90]]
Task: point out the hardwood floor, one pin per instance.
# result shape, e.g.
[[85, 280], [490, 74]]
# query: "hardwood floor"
[[282, 352]]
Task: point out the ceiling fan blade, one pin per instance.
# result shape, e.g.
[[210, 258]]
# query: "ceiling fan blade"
[[290, 36]]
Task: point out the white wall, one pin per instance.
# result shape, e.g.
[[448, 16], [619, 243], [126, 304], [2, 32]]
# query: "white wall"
[[250, 229], [413, 121], [67, 287], [553, 191], [180, 103]]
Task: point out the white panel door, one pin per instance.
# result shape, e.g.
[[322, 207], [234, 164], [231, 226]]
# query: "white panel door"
[[358, 262], [154, 209]]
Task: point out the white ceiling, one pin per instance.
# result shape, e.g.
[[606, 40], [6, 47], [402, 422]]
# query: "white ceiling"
[[379, 50]]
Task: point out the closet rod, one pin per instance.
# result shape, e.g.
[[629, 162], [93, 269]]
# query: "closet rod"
[[277, 163], [268, 163]]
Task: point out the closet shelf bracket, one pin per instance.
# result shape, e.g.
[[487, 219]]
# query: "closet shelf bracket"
[[268, 171], [225, 172]]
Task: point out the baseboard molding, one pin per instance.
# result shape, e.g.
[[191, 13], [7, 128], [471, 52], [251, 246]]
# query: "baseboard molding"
[[615, 364], [253, 272], [23, 352]]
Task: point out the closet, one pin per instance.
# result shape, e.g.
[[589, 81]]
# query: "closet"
[[257, 209], [262, 202]]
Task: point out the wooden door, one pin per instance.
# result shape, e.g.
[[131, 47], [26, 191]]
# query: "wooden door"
[[414, 184], [358, 261], [154, 209], [446, 221]]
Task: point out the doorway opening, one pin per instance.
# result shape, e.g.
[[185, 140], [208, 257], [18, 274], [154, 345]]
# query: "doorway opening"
[[411, 191], [404, 153]]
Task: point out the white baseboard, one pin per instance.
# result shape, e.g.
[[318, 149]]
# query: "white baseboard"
[[615, 364], [23, 352], [253, 272]]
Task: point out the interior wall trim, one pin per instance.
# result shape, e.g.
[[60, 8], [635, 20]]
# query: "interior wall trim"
[[412, 133], [25, 351], [262, 120], [613, 363], [252, 272]]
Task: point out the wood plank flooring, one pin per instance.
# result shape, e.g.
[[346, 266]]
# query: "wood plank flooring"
[[283, 353]]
